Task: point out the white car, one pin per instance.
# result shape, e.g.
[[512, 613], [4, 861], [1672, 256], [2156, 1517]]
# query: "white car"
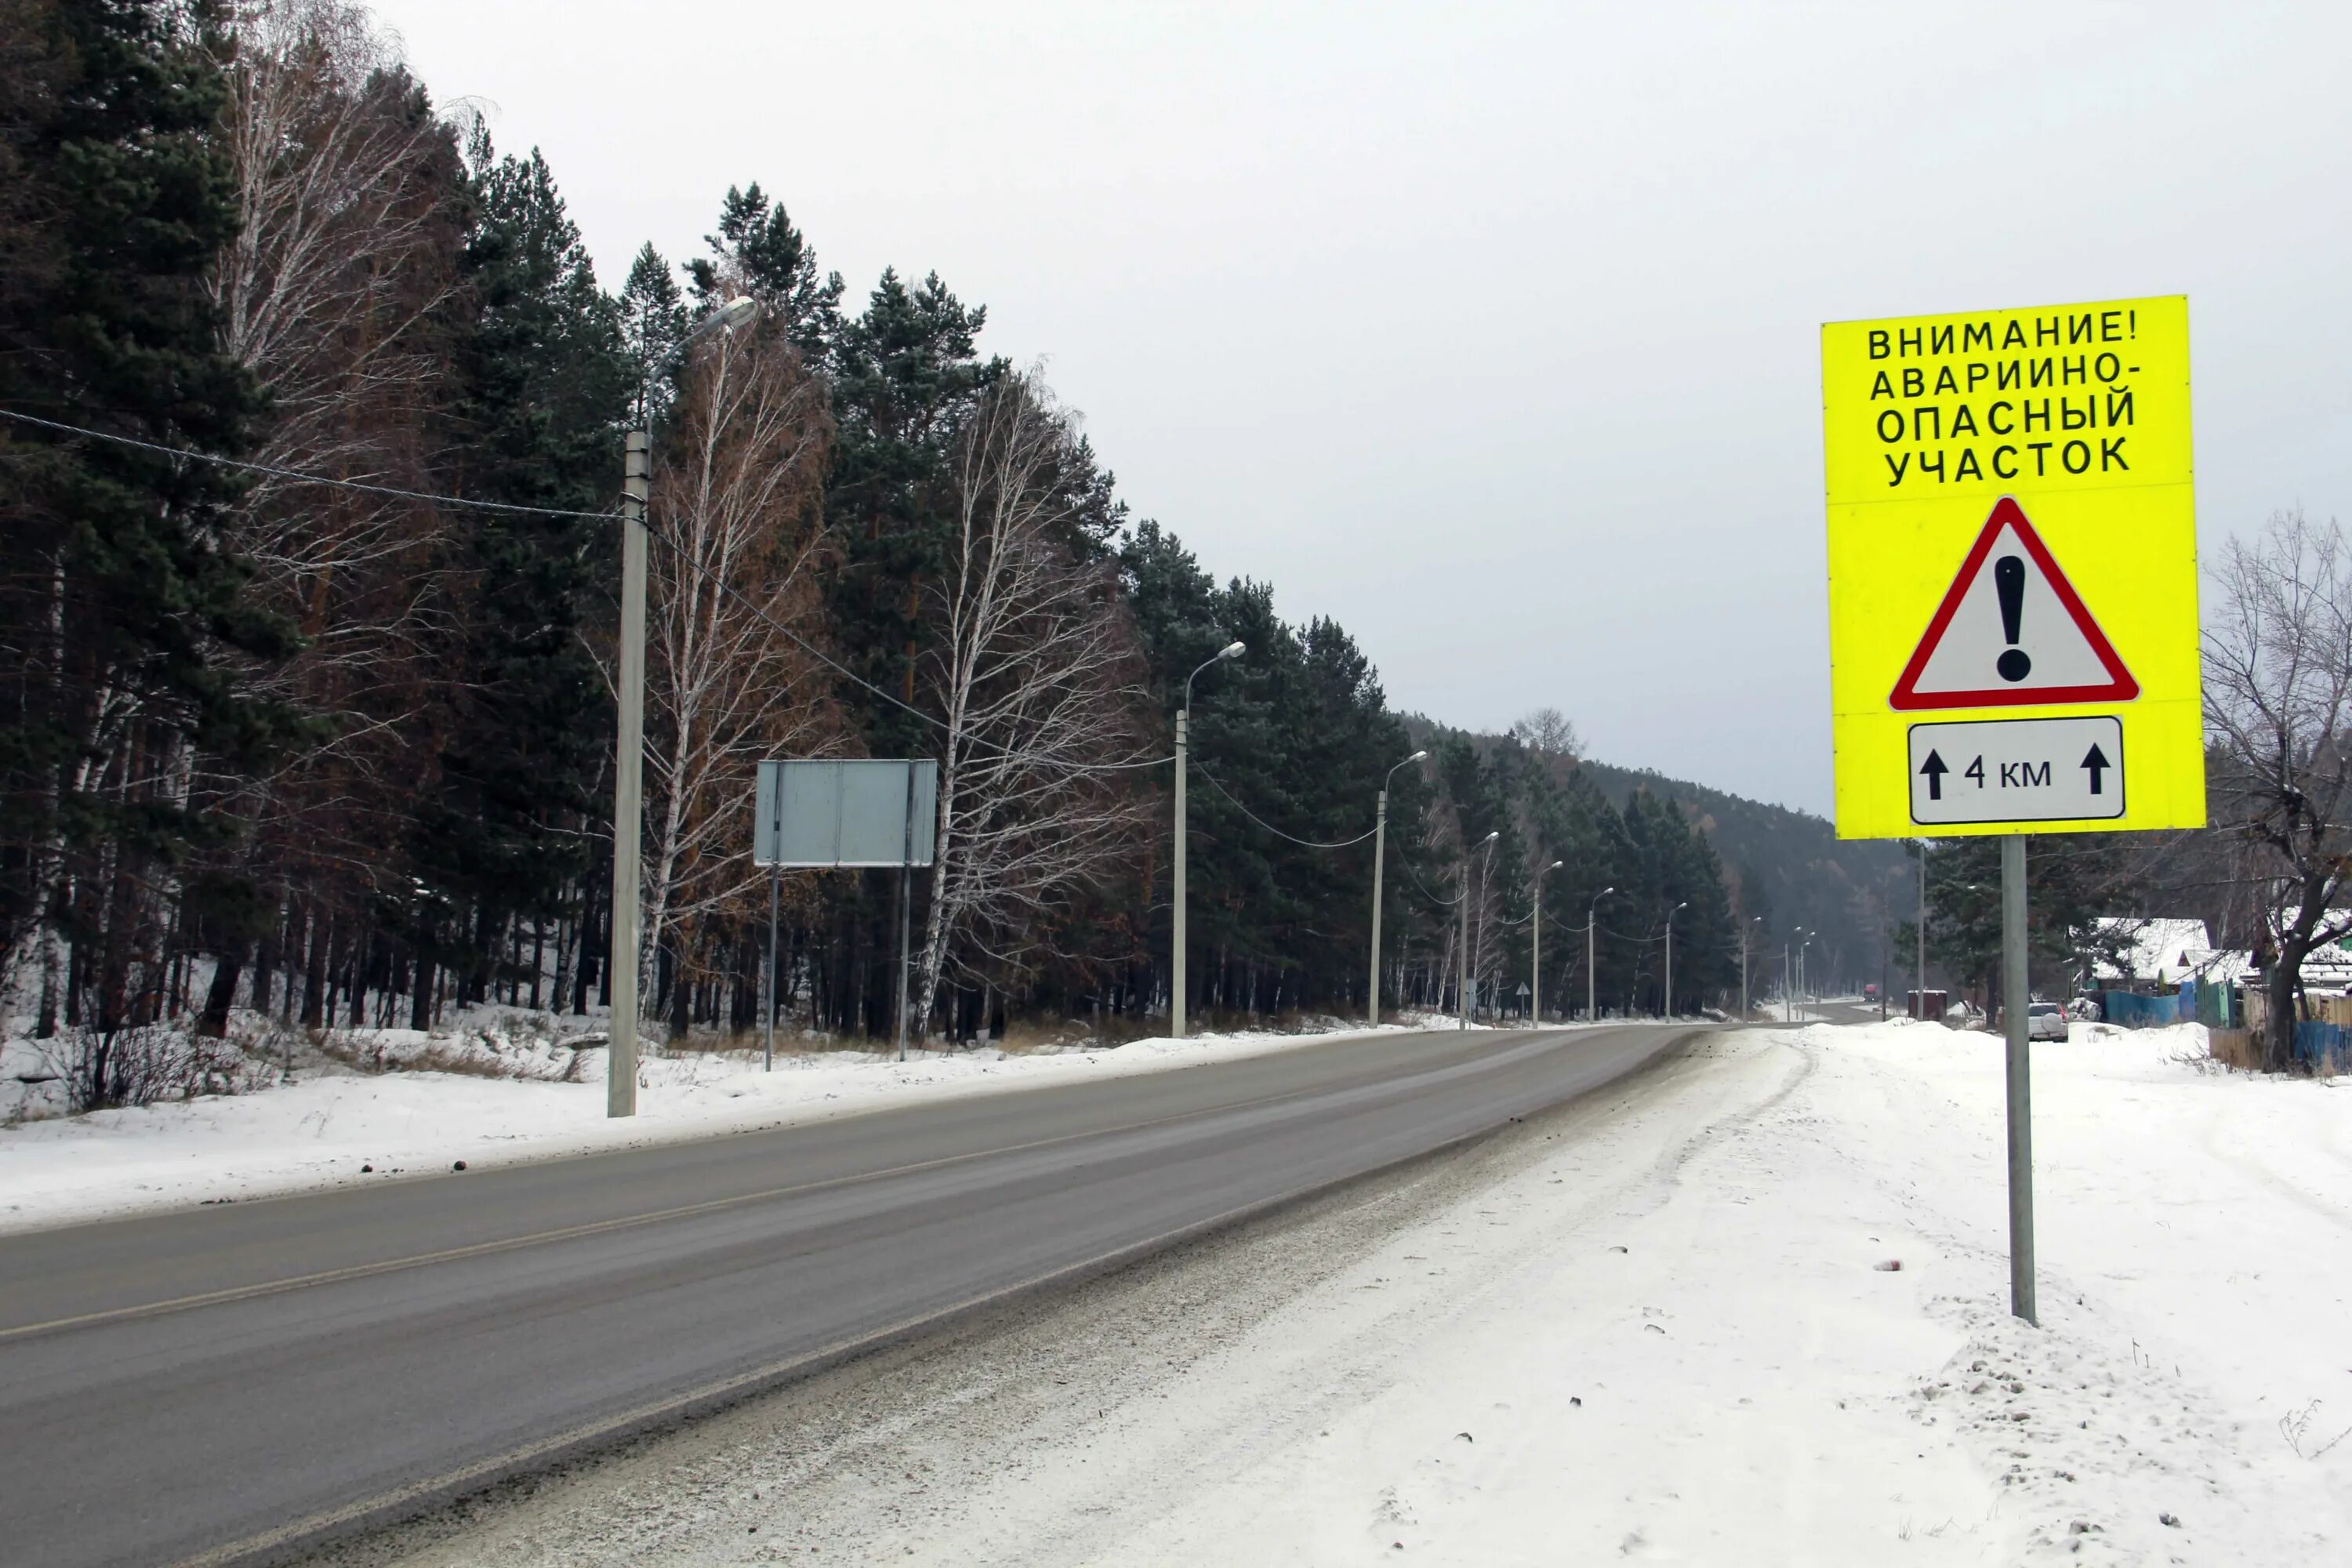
[[2045, 1021]]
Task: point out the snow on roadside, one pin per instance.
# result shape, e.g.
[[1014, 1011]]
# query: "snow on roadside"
[[512, 1097], [1758, 1314]]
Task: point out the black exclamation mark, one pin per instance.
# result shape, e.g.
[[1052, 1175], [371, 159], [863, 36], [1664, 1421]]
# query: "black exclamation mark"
[[2009, 582]]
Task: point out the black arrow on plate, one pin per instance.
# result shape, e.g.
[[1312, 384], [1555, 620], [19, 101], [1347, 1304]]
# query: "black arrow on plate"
[[1935, 769], [2096, 760]]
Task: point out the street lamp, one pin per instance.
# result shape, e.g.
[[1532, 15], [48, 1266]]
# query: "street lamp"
[[628, 763], [1801, 961], [1668, 1010], [1788, 980], [1184, 749], [1535, 949], [1744, 934], [1464, 998], [1592, 915], [1379, 854]]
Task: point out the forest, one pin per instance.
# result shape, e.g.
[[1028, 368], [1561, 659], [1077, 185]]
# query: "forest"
[[312, 415]]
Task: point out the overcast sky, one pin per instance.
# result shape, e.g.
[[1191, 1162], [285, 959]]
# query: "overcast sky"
[[1492, 331]]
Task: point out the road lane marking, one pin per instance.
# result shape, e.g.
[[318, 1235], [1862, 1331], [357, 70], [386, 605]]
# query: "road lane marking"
[[624, 1222]]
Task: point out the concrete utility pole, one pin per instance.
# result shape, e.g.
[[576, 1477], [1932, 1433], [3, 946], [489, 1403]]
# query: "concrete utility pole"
[[629, 755], [1183, 749], [1535, 948], [1591, 972], [1486, 880], [1752, 920], [628, 781], [1380, 855], [2014, 984], [1666, 1003], [1461, 990]]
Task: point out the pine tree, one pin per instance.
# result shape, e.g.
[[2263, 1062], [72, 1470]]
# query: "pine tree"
[[653, 323], [758, 251], [125, 632], [545, 380], [906, 373]]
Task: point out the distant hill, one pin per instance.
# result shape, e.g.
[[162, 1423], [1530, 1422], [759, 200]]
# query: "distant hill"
[[1788, 866], [1794, 870]]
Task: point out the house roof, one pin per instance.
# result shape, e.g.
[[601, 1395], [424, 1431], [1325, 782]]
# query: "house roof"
[[2162, 950]]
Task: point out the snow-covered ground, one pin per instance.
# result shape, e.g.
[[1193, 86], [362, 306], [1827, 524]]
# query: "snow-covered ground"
[[1697, 1347], [1748, 1309], [512, 1096]]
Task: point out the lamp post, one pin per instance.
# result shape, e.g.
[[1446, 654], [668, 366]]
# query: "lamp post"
[[1666, 1008], [1801, 961], [1592, 972], [1535, 949], [1184, 749], [1744, 934], [629, 753], [1463, 990], [1380, 855]]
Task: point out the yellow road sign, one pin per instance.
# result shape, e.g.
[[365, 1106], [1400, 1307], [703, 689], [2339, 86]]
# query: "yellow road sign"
[[2012, 551]]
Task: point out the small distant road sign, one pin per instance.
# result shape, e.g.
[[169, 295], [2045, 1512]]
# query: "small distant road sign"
[[2012, 550], [845, 812]]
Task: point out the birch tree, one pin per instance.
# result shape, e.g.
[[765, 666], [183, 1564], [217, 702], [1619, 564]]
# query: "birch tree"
[[732, 578], [329, 295], [1035, 673]]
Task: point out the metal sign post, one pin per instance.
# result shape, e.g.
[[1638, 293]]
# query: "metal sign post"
[[2013, 983]]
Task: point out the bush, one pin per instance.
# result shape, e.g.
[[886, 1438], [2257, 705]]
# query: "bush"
[[154, 1061]]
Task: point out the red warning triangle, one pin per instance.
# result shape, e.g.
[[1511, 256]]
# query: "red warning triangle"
[[2015, 636]]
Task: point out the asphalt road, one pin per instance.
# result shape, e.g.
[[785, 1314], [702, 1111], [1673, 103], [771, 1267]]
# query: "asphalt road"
[[233, 1381]]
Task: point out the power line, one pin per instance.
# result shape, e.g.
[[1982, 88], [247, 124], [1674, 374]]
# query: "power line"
[[296, 475], [1270, 827], [300, 476], [722, 585], [1425, 893]]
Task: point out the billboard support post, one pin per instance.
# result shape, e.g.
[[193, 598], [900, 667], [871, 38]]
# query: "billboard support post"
[[775, 878], [906, 912]]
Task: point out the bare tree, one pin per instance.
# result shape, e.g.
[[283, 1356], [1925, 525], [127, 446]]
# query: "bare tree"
[[1547, 733], [2278, 697], [340, 263], [732, 579], [1034, 672]]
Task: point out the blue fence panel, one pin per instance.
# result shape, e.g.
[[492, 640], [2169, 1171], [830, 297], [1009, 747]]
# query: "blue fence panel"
[[2318, 1042], [2214, 1004], [2137, 1012]]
